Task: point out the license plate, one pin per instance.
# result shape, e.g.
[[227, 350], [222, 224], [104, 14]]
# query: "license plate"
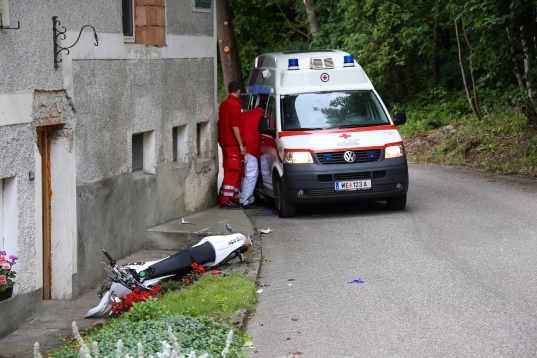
[[353, 185]]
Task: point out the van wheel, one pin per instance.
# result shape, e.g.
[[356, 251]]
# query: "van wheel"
[[285, 208], [397, 203]]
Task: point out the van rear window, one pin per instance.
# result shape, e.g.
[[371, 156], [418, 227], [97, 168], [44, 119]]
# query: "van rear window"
[[342, 109]]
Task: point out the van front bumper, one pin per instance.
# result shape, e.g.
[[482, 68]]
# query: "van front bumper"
[[308, 183]]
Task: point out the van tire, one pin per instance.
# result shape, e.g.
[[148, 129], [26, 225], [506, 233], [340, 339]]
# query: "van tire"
[[285, 208], [396, 203]]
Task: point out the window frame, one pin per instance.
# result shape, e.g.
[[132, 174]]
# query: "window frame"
[[126, 37]]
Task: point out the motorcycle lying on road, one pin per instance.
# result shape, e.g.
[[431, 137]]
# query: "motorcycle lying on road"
[[209, 252]]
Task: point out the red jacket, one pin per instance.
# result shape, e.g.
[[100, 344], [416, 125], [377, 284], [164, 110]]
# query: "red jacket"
[[249, 132], [229, 115]]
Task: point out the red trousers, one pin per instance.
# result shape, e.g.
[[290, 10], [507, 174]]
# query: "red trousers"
[[233, 164]]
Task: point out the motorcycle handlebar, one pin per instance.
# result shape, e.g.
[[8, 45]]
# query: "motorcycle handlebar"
[[112, 261]]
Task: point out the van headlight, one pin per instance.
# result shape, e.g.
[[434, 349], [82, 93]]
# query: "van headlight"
[[297, 158], [394, 151]]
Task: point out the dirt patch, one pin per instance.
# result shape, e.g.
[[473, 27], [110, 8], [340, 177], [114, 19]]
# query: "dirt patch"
[[490, 150]]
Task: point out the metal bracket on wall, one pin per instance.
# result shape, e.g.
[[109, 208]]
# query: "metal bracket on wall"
[[59, 34]]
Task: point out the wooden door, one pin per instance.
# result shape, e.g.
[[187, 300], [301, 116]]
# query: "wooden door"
[[43, 144]]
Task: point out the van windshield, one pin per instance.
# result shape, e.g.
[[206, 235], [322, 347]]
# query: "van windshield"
[[343, 109]]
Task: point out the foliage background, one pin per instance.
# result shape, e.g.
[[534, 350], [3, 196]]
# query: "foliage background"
[[410, 51]]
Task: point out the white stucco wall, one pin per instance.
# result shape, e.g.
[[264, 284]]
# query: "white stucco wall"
[[16, 108], [132, 88]]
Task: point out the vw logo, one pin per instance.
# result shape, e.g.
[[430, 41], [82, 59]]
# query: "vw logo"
[[349, 156]]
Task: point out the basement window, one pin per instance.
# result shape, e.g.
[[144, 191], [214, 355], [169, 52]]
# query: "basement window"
[[137, 152], [180, 144], [203, 139], [143, 152]]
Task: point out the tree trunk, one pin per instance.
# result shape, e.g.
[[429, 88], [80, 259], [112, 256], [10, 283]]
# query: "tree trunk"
[[436, 63], [527, 105], [227, 44], [528, 61], [461, 63], [474, 87], [312, 18]]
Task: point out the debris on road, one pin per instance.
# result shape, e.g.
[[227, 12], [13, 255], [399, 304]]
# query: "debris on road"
[[357, 281]]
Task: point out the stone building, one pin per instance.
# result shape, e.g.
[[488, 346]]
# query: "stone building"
[[102, 140]]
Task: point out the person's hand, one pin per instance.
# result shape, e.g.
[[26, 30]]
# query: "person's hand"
[[243, 150]]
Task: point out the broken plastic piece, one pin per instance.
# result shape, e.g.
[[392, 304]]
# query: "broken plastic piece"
[[183, 221], [357, 281], [216, 272], [265, 231], [260, 291], [271, 212]]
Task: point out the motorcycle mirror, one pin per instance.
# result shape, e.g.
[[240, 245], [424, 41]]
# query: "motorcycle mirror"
[[229, 228]]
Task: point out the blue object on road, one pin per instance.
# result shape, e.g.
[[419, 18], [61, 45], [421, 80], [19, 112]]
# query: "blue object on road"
[[357, 281], [271, 212]]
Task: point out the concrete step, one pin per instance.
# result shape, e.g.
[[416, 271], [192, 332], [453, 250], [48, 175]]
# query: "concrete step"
[[174, 235]]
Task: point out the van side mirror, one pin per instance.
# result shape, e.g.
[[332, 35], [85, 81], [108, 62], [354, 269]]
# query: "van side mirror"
[[399, 118], [264, 127]]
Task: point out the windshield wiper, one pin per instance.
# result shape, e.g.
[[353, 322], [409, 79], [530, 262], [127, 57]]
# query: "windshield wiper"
[[362, 125], [309, 129]]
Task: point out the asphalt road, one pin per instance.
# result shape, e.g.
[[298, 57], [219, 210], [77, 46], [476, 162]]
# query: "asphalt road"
[[454, 275]]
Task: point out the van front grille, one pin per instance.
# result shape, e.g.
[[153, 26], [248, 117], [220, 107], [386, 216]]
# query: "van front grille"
[[362, 156]]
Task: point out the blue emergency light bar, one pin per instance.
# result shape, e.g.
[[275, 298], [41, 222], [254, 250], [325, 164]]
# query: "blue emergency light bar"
[[260, 89], [348, 61], [293, 64]]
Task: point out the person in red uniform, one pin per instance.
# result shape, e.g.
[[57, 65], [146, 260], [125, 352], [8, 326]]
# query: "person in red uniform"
[[233, 149], [252, 138]]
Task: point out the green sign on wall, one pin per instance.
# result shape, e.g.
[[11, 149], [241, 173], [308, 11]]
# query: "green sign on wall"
[[203, 3]]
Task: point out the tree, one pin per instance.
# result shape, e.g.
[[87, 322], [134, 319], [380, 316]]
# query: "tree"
[[227, 44], [312, 18], [508, 43]]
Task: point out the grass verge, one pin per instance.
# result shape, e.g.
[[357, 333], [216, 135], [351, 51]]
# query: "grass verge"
[[213, 295]]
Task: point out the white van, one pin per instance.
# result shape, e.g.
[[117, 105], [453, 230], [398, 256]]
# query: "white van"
[[327, 136]]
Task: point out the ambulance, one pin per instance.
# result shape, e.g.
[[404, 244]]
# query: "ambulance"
[[326, 136]]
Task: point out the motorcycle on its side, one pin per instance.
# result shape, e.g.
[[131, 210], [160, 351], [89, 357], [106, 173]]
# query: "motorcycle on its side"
[[209, 252]]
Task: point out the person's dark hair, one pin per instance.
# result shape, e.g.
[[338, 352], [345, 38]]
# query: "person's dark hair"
[[233, 87], [262, 102]]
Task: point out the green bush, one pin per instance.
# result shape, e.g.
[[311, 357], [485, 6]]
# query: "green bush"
[[145, 310]]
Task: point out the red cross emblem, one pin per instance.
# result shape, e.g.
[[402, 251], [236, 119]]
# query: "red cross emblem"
[[345, 136], [325, 77]]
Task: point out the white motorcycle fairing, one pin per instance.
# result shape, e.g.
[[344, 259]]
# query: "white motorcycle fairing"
[[209, 252], [104, 308]]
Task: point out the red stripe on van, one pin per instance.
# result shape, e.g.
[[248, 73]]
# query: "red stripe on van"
[[339, 149], [339, 130]]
